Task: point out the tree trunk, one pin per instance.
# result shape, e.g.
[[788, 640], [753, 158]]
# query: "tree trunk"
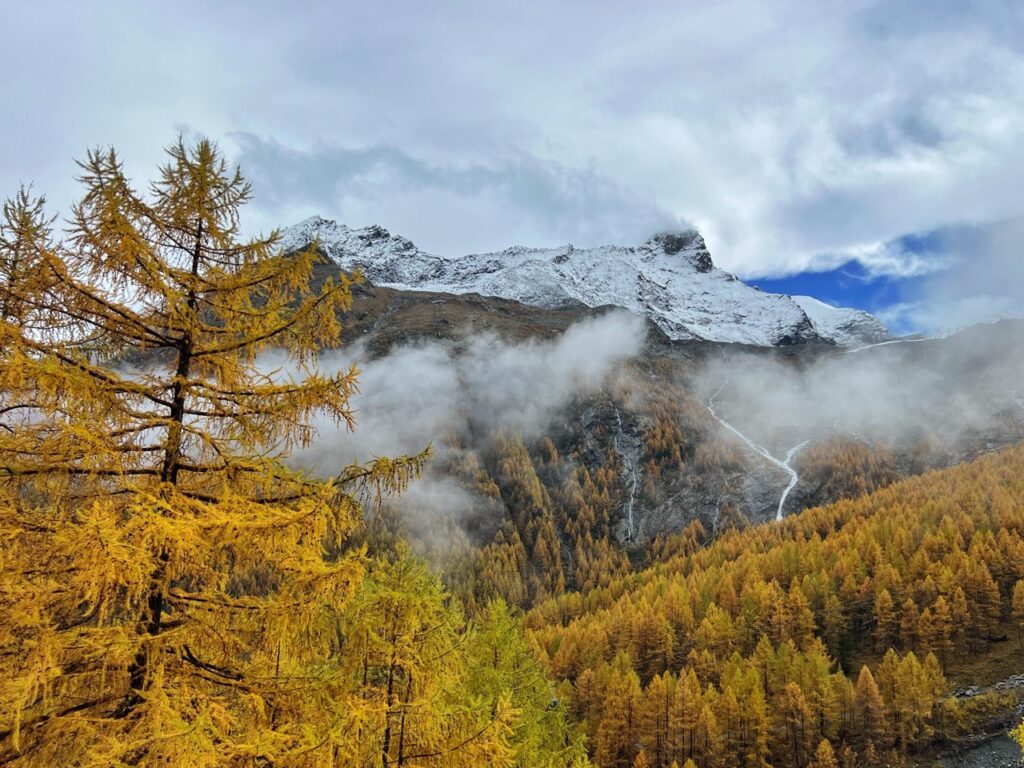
[[138, 673]]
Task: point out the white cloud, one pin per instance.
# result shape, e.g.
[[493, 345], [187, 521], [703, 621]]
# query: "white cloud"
[[421, 393], [454, 207], [895, 260], [791, 133], [983, 280], [428, 393]]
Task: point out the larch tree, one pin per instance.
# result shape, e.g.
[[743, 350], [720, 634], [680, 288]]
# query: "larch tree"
[[885, 619], [501, 667], [1017, 610], [24, 232], [910, 626], [824, 756], [710, 746], [871, 722], [170, 585], [617, 733], [794, 716], [1017, 734], [418, 692], [657, 703], [686, 706], [942, 634]]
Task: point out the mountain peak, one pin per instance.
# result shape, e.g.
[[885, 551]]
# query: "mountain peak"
[[689, 241], [670, 279]]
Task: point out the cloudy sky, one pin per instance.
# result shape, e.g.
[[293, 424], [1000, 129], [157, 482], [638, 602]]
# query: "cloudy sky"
[[871, 153]]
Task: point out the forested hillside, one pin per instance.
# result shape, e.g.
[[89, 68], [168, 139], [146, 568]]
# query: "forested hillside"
[[831, 636], [172, 592], [525, 508]]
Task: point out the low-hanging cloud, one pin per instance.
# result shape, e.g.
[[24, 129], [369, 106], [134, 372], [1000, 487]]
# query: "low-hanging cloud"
[[428, 393], [951, 390]]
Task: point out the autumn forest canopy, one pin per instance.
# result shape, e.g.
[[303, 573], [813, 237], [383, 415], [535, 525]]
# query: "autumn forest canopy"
[[177, 590]]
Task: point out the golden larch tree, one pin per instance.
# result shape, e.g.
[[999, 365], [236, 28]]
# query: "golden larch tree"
[[871, 721], [824, 756], [169, 584], [24, 233], [1017, 734]]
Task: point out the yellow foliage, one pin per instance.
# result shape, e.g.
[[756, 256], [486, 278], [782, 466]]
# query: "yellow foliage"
[[170, 586], [748, 630], [1017, 734]]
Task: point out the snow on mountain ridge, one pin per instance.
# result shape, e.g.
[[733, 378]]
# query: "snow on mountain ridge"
[[670, 279], [845, 326]]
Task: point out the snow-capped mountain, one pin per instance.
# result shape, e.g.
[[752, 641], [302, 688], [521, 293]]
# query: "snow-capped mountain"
[[843, 325], [670, 279]]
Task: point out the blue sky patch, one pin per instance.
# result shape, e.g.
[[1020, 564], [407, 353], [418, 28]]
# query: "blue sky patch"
[[850, 285]]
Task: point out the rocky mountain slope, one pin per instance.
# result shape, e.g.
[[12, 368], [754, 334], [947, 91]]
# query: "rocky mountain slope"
[[659, 429], [683, 430], [843, 325], [669, 279]]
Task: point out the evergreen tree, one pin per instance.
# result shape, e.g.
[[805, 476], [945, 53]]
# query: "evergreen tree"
[[171, 584], [503, 672], [414, 695], [871, 719], [824, 756]]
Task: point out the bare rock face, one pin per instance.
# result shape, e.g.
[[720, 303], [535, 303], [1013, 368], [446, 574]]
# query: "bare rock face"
[[689, 242], [670, 279]]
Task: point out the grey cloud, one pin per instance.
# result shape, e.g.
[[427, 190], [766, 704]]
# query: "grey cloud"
[[893, 395], [910, 125], [788, 133], [983, 280], [386, 185]]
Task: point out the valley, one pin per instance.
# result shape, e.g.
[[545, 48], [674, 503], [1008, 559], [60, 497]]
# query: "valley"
[[686, 442], [756, 444], [340, 501]]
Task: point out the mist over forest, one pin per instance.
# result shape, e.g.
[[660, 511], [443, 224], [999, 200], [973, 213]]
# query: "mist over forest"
[[536, 385]]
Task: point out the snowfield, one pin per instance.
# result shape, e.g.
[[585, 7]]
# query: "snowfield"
[[670, 279]]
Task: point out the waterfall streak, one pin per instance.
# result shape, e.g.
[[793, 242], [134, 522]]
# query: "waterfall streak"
[[793, 477], [630, 467], [784, 465]]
